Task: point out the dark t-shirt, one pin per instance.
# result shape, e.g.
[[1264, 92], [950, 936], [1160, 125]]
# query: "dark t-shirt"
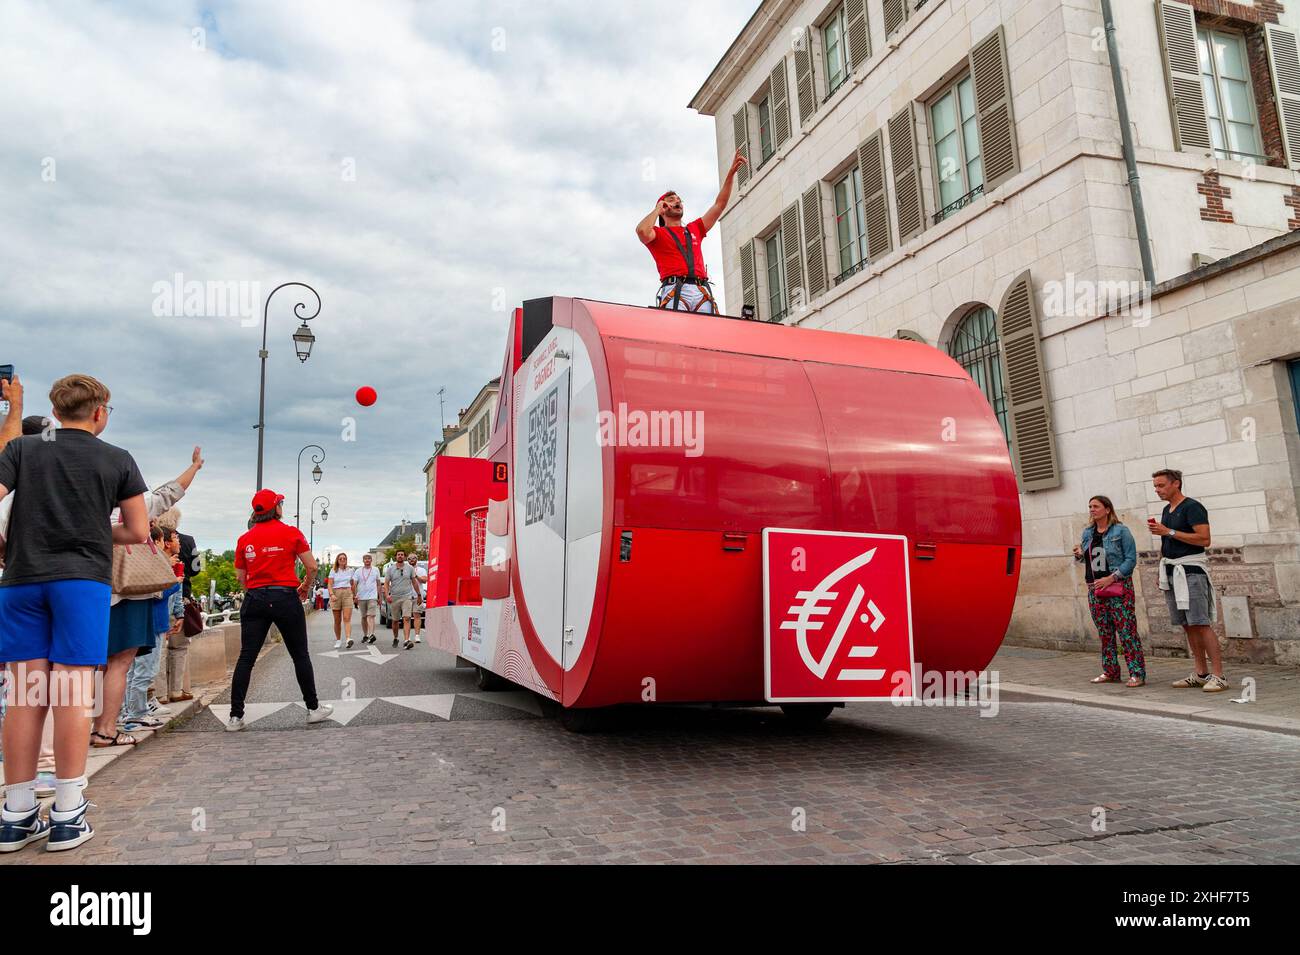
[[65, 490], [1184, 518], [188, 556], [1094, 561]]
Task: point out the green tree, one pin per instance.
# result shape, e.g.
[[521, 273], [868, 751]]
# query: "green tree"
[[408, 545], [218, 567]]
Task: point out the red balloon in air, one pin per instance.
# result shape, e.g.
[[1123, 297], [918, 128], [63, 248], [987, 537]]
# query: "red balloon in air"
[[366, 396]]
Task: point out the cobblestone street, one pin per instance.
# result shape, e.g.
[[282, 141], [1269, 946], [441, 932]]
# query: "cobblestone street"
[[428, 770]]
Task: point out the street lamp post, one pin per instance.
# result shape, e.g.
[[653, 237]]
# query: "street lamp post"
[[324, 516], [316, 474], [303, 339]]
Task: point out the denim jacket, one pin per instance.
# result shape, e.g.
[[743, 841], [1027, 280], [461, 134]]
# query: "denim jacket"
[[1121, 549]]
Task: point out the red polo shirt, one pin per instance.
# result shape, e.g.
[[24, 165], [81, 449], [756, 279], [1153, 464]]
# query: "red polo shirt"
[[266, 554], [668, 259]]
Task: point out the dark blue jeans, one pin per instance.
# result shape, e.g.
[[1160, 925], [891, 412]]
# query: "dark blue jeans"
[[261, 608]]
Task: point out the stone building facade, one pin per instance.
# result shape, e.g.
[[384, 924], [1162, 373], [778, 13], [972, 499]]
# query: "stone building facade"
[[954, 172]]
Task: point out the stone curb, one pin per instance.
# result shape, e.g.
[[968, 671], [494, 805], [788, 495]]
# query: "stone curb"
[[1024, 693]]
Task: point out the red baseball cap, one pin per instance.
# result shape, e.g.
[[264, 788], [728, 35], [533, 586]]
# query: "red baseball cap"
[[265, 500]]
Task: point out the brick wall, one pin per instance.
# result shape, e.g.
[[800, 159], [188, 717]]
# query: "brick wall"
[[1214, 193], [1292, 202]]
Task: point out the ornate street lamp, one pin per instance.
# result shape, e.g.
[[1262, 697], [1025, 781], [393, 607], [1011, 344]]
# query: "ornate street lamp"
[[303, 339], [324, 516], [316, 474]]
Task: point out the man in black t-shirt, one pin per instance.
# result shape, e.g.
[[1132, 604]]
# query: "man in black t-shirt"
[[1184, 532], [54, 600]]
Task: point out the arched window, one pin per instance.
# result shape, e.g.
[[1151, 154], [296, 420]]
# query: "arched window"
[[974, 346]]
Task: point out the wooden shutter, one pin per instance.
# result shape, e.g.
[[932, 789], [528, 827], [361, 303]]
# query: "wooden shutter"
[[814, 241], [1024, 380], [740, 135], [779, 93], [855, 13], [748, 277], [1177, 28], [803, 77], [1284, 65], [895, 14], [792, 249], [871, 166], [997, 126], [907, 175]]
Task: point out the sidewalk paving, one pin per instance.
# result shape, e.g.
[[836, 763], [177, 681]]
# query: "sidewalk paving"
[[1032, 675]]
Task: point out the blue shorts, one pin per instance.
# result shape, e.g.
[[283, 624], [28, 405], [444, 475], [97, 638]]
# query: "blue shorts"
[[63, 621]]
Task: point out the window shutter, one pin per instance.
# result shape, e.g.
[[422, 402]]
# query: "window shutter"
[[1177, 28], [855, 13], [780, 105], [792, 248], [740, 133], [871, 166], [748, 277], [1284, 65], [997, 126], [907, 175], [895, 14], [803, 77], [813, 241], [1029, 410]]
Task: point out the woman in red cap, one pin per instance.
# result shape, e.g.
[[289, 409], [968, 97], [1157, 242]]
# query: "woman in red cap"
[[264, 561], [678, 251]]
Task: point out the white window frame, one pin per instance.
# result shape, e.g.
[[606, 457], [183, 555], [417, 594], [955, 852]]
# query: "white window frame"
[[774, 313], [836, 18], [1208, 34], [857, 218], [967, 189]]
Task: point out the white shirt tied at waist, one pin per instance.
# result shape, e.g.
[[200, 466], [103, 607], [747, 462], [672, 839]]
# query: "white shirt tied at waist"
[[1175, 568]]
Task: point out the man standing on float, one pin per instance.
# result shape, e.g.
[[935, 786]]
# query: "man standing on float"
[[677, 249]]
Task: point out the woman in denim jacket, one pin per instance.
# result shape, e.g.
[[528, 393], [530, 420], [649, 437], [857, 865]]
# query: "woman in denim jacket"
[[1109, 555]]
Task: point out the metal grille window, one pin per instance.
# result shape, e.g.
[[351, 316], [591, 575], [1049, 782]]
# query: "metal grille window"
[[974, 346], [850, 223], [765, 129], [835, 51], [774, 248], [957, 160], [1229, 99]]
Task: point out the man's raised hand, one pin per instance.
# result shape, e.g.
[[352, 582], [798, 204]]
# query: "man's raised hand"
[[736, 162]]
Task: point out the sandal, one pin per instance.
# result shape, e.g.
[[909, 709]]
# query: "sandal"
[[1134, 681], [182, 698], [1104, 679], [117, 739]]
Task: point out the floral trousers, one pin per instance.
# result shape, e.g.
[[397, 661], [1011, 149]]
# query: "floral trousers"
[[1116, 620]]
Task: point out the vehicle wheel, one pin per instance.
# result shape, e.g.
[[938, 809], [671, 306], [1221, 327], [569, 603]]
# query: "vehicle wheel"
[[487, 680], [584, 720], [804, 715]]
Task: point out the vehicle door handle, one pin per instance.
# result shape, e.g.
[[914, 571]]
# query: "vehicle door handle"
[[925, 550]]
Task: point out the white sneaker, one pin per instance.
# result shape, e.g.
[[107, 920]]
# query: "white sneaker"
[[337, 644], [319, 714], [417, 638], [235, 725]]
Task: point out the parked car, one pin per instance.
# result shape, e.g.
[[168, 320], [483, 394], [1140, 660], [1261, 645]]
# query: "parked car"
[[422, 573]]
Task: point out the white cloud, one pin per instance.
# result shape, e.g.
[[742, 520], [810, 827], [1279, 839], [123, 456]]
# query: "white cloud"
[[476, 168]]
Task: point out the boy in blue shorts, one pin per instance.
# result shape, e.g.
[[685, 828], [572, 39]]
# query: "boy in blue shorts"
[[54, 601]]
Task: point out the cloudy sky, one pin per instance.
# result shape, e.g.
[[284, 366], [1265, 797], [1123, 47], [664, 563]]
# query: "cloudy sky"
[[420, 164]]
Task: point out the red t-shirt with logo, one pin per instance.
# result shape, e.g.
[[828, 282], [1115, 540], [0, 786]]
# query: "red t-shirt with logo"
[[266, 554], [669, 259]]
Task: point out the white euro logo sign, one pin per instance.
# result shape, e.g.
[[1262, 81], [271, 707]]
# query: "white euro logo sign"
[[812, 606]]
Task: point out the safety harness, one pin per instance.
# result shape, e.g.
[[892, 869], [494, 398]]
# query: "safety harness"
[[688, 255]]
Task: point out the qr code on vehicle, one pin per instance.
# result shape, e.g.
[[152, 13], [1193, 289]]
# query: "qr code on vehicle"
[[543, 457]]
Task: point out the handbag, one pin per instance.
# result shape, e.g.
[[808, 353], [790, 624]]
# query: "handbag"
[[140, 570], [193, 624], [1111, 590]]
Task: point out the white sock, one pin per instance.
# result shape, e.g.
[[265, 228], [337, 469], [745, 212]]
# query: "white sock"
[[20, 800], [67, 793]]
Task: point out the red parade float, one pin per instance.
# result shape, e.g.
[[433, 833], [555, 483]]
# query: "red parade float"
[[682, 508]]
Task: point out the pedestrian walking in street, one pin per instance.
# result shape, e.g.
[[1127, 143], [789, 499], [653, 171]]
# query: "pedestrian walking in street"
[[131, 622], [1109, 555], [264, 562], [366, 582], [342, 599], [401, 590], [1184, 532], [54, 600]]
